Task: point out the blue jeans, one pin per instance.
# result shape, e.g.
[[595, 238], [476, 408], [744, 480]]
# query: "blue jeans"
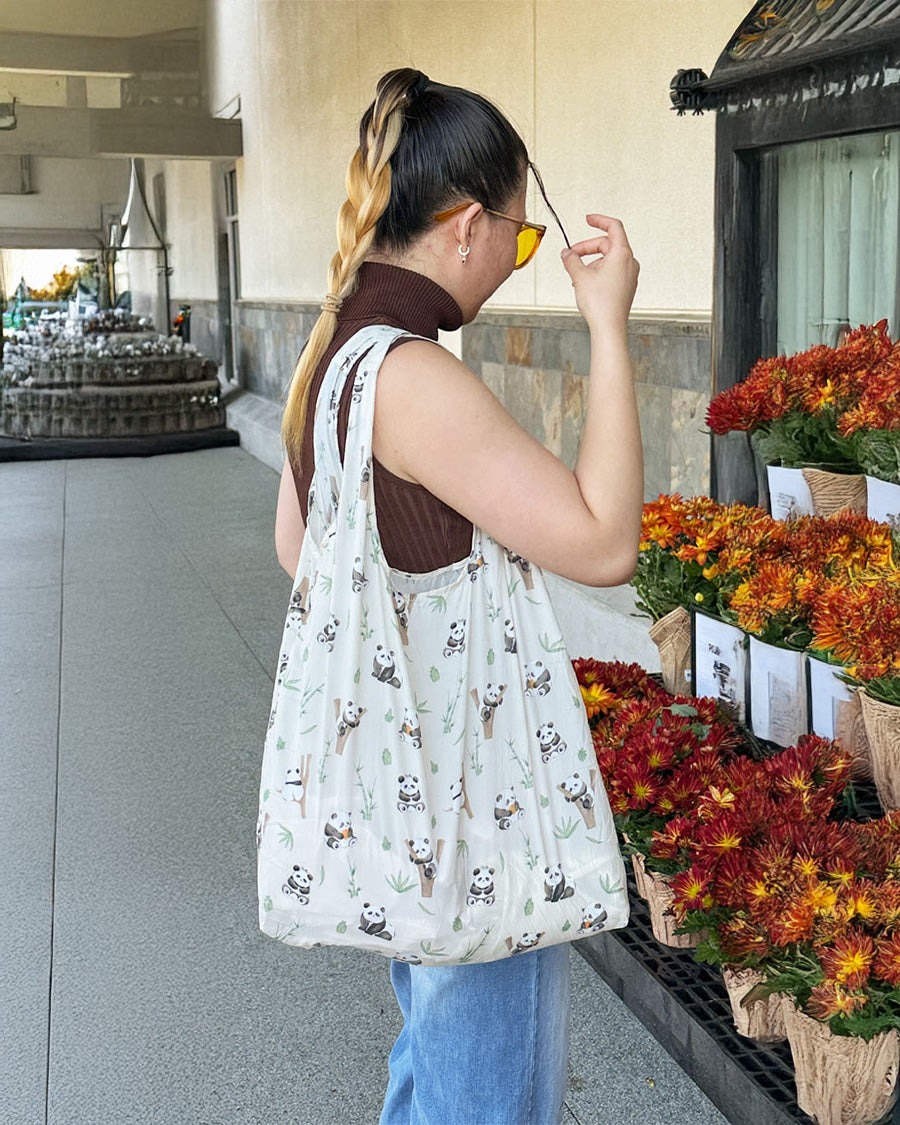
[[483, 1044]]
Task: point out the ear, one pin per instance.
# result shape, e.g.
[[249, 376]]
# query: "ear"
[[464, 223]]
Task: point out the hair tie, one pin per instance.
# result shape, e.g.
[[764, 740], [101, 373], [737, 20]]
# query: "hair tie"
[[332, 303], [419, 87]]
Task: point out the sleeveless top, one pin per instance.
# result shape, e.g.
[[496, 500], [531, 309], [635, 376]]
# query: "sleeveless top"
[[418, 531]]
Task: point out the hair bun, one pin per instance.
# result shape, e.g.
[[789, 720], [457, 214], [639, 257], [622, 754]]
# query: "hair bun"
[[419, 87]]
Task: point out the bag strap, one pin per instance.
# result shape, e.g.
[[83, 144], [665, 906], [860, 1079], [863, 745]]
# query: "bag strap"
[[366, 349]]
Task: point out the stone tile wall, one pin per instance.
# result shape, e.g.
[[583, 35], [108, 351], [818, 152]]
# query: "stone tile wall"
[[537, 364]]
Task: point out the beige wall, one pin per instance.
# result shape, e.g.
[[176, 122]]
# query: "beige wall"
[[101, 17], [191, 230], [67, 193], [586, 81]]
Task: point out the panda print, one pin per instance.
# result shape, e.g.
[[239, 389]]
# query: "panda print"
[[298, 610], [347, 718], [383, 667], [409, 796], [549, 741], [537, 680], [593, 918], [410, 731], [296, 781], [426, 858], [372, 921], [555, 886], [326, 634], [576, 791], [408, 958], [402, 608], [339, 831], [487, 704], [524, 567], [333, 407], [456, 641], [507, 809], [459, 799], [358, 581], [525, 942], [359, 383], [482, 887], [298, 884], [509, 636], [365, 478], [477, 567], [282, 668]]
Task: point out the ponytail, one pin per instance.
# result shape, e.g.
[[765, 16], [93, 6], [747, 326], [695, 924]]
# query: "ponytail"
[[368, 194]]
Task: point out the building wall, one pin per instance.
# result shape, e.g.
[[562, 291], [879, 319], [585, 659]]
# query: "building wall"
[[586, 81], [67, 193]]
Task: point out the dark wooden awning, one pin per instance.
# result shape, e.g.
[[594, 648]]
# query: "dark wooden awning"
[[785, 35]]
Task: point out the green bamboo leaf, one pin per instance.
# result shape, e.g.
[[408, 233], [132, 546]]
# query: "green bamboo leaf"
[[386, 756], [341, 927], [267, 904], [279, 745], [457, 924], [356, 677], [389, 716], [285, 836], [529, 907], [434, 673], [567, 925], [265, 795], [490, 656], [434, 767], [545, 801], [386, 844], [582, 754]]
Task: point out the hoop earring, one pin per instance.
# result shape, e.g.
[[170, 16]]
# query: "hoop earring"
[[463, 253]]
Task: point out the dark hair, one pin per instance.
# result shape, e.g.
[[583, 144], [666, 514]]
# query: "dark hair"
[[454, 145]]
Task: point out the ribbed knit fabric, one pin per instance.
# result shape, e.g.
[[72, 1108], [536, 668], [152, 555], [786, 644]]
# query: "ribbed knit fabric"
[[418, 531]]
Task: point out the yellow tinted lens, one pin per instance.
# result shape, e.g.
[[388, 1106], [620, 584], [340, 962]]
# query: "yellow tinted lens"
[[528, 241]]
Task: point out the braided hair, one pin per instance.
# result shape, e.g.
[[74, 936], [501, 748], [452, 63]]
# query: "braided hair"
[[423, 146]]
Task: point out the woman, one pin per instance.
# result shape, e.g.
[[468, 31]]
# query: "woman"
[[434, 222]]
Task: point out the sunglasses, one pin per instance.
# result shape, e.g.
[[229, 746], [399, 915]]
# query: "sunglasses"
[[529, 235]]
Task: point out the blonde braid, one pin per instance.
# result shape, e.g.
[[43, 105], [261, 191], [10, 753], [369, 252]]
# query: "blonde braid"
[[368, 194]]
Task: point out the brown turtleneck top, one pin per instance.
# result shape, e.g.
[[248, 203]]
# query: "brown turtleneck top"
[[418, 531]]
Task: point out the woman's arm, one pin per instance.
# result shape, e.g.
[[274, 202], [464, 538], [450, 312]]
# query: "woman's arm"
[[289, 527], [437, 424]]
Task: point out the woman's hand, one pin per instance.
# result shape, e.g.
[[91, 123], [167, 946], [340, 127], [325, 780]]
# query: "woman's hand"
[[604, 287]]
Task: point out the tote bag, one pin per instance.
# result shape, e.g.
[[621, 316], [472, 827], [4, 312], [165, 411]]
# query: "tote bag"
[[429, 787]]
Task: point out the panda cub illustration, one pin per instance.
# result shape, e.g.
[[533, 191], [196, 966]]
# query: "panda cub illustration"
[[339, 831], [525, 942], [593, 918], [421, 853], [575, 790], [555, 886], [410, 731], [408, 958], [299, 606], [509, 636], [490, 700], [537, 679], [298, 884], [372, 921], [507, 809], [333, 407], [360, 581], [482, 888], [294, 785], [383, 667], [476, 567], [550, 741], [456, 642], [409, 796], [359, 383], [325, 636], [282, 667]]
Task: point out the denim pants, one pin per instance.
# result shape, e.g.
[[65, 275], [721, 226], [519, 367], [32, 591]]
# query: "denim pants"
[[483, 1044]]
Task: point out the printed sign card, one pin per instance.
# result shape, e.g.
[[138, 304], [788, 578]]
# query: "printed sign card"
[[789, 495], [883, 502], [778, 694], [720, 664]]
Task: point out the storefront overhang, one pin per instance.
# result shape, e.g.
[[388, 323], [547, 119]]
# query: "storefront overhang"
[[96, 56], [163, 131]]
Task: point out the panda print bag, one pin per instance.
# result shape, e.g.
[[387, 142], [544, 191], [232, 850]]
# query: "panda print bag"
[[429, 788]]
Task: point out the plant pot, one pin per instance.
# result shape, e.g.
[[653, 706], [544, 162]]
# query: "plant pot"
[[882, 723], [672, 636], [662, 919], [640, 875], [835, 492], [841, 1079], [762, 1020], [789, 495], [836, 713], [778, 693], [883, 501]]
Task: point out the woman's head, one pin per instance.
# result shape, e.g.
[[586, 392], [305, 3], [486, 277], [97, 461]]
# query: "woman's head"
[[423, 147]]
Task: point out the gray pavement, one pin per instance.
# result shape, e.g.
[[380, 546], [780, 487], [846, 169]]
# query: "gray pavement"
[[141, 606]]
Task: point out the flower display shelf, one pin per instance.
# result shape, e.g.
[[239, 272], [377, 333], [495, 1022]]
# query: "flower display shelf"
[[684, 1005]]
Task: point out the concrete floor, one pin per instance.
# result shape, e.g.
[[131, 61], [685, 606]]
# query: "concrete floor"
[[140, 611]]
